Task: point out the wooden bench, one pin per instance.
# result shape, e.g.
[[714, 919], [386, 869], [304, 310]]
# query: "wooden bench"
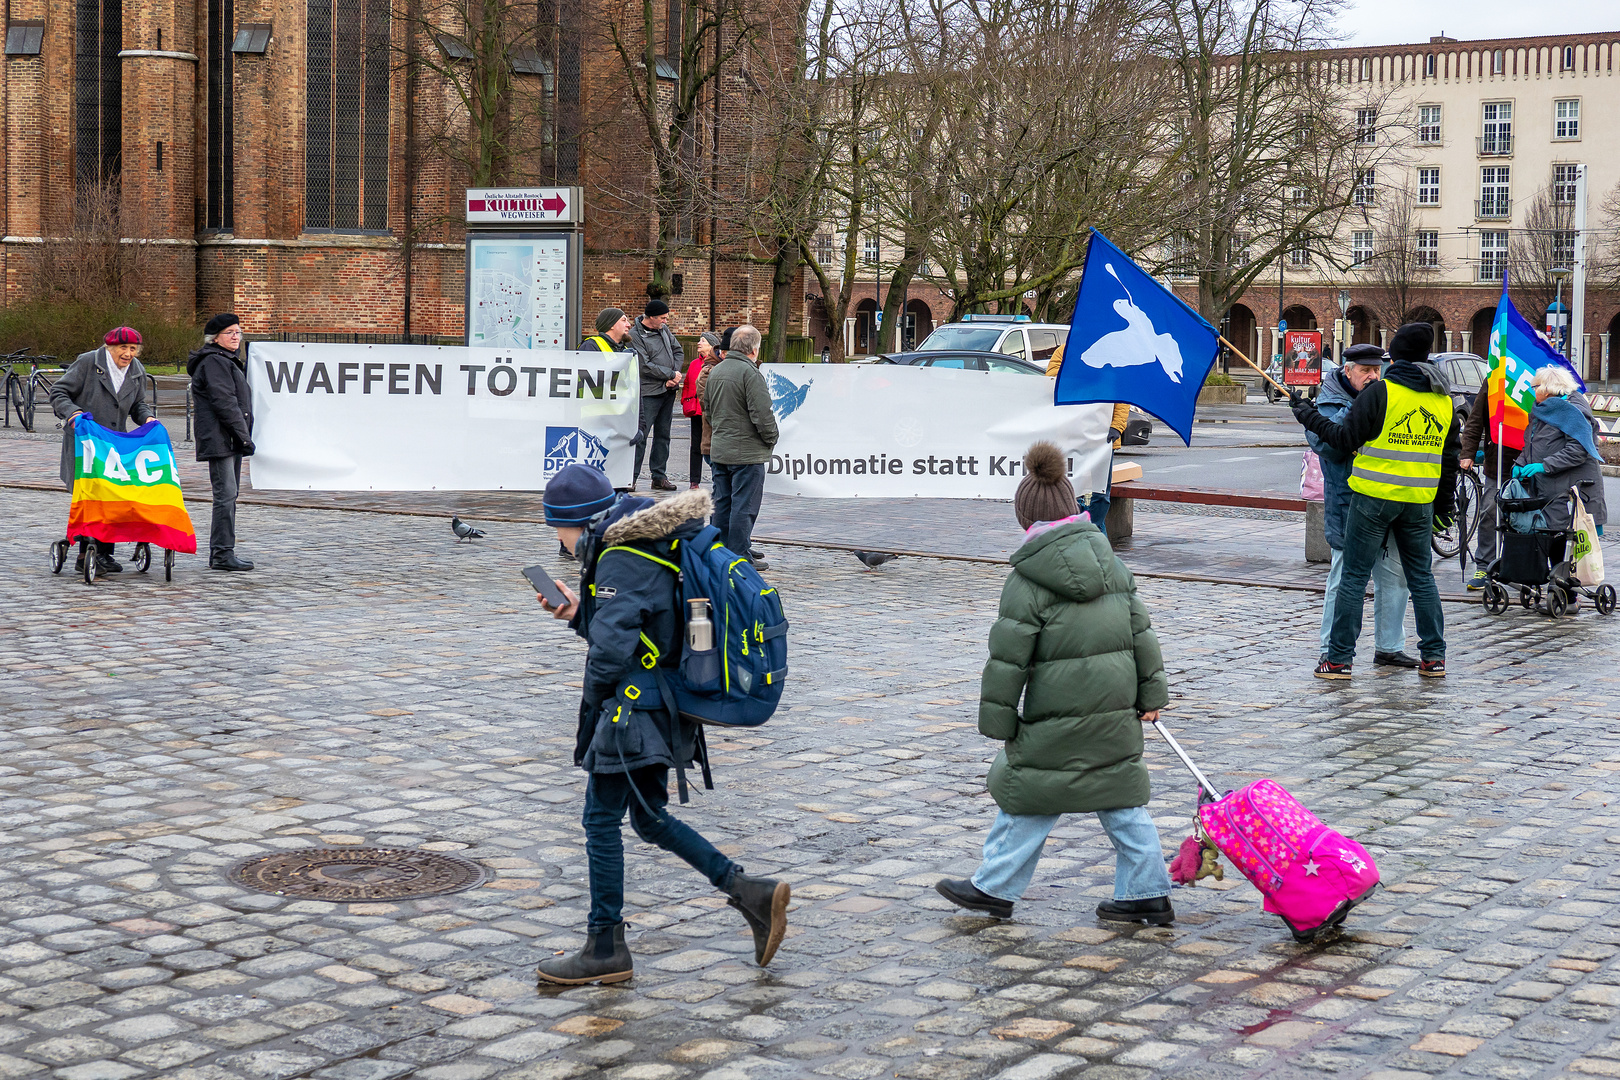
[[1122, 508]]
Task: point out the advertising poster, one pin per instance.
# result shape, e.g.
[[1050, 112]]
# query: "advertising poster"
[[1302, 358]]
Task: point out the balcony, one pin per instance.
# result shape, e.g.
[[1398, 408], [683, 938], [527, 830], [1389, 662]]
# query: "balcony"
[[1493, 209], [1494, 145]]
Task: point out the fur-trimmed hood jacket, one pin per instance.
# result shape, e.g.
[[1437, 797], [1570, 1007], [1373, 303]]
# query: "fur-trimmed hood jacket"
[[628, 596]]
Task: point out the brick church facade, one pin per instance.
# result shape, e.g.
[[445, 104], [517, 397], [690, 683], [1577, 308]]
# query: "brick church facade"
[[272, 153]]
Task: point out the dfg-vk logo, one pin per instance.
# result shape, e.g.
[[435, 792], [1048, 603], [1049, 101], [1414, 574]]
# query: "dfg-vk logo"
[[566, 445]]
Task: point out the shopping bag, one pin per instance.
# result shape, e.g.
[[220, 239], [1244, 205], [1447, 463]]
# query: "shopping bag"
[[1588, 553], [1310, 477]]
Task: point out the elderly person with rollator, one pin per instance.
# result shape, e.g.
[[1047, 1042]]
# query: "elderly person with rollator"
[[1560, 450], [109, 385], [1403, 434], [1339, 391]]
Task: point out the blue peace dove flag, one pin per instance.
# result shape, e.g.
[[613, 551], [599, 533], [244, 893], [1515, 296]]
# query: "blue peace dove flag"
[[1134, 341]]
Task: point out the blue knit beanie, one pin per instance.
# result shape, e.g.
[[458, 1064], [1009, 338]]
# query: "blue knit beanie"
[[576, 494]]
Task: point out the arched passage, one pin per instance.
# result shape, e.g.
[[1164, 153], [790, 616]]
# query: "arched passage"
[[1299, 317], [1363, 326], [1614, 351], [1479, 328], [1240, 323], [865, 326], [917, 325], [1434, 319]]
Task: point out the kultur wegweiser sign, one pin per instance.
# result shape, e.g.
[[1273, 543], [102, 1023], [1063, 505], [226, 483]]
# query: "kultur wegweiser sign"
[[522, 206]]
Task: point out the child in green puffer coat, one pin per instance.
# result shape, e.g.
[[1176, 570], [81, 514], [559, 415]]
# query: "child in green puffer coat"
[[1073, 641]]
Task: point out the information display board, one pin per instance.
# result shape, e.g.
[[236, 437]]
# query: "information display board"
[[518, 291]]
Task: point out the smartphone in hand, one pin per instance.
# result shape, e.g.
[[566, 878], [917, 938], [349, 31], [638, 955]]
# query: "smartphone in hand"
[[546, 586]]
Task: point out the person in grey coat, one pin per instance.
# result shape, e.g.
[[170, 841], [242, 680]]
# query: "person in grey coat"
[[1560, 450], [663, 369], [224, 408], [109, 385], [737, 404]]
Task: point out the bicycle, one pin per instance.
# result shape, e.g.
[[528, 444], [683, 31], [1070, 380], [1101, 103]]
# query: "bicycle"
[[16, 391], [1448, 543]]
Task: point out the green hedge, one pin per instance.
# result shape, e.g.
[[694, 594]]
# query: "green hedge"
[[64, 329]]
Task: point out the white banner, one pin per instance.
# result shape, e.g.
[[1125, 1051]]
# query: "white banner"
[[422, 418], [871, 430]]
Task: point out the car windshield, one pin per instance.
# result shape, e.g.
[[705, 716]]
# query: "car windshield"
[[962, 336]]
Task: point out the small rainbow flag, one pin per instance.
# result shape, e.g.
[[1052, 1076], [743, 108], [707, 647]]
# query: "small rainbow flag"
[[1517, 352], [126, 488]]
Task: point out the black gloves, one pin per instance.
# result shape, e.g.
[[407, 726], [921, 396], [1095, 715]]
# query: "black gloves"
[[247, 448], [1115, 435], [1301, 405]]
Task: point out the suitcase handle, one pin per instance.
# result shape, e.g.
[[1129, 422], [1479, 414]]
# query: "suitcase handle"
[[1203, 781]]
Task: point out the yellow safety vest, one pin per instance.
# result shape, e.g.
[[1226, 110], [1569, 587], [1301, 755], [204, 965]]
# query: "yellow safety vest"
[[1403, 463], [602, 343]]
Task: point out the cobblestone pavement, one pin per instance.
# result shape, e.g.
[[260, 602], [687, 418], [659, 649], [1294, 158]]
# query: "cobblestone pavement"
[[374, 682]]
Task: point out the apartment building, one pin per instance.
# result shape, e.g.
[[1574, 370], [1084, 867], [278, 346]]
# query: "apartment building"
[[1486, 137]]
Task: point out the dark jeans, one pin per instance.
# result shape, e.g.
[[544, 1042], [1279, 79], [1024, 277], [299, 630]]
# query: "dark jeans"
[[1409, 527], [656, 414], [225, 477], [607, 797], [738, 490], [694, 457]]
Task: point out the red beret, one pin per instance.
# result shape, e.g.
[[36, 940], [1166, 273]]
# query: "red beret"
[[123, 335]]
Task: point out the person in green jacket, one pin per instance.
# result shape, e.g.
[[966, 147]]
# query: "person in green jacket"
[[1073, 641]]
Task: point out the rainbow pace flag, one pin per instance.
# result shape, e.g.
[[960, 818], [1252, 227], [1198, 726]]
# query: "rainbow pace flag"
[[1517, 352], [126, 488]]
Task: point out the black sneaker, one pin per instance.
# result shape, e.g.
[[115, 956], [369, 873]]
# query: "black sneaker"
[[1327, 669], [106, 564], [760, 564], [563, 552], [1155, 911], [1433, 669], [763, 903], [964, 893], [1393, 659]]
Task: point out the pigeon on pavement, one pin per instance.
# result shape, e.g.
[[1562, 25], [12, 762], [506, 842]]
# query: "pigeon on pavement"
[[874, 559], [463, 530]]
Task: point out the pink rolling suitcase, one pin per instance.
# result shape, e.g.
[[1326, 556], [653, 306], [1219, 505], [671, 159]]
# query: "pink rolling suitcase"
[[1309, 874]]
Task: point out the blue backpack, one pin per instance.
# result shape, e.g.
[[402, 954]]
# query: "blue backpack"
[[737, 683]]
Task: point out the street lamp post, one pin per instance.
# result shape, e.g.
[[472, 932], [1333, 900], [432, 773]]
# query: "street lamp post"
[[1558, 274], [1344, 327]]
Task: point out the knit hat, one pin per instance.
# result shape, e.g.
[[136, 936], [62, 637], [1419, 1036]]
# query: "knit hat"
[[1367, 355], [1412, 342], [123, 335], [576, 494], [656, 307], [1045, 493], [221, 322], [608, 319], [725, 338], [711, 337]]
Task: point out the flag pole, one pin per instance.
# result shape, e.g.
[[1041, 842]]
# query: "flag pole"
[[1239, 352]]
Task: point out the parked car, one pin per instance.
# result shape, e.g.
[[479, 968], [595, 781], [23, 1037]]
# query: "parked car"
[[1466, 373], [963, 359], [1014, 335]]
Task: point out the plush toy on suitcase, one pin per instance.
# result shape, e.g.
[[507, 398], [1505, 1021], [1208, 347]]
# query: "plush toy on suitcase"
[[1309, 874]]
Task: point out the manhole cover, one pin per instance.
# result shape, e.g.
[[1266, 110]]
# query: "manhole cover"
[[358, 874]]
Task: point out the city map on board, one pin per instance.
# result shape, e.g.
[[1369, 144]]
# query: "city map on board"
[[519, 295]]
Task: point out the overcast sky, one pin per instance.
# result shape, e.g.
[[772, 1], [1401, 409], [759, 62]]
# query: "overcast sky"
[[1390, 22]]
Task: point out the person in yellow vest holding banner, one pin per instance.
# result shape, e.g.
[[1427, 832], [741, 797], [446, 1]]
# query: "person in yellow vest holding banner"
[[1405, 438]]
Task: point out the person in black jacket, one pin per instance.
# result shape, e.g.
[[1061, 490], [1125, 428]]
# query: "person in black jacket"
[[224, 429], [628, 739], [1404, 435]]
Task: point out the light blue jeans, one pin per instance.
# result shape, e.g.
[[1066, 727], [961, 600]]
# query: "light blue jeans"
[[1014, 847], [1389, 600]]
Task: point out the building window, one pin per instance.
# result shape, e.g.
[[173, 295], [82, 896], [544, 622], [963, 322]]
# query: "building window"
[[1366, 69], [1365, 193], [1361, 247], [1300, 194], [925, 267], [1563, 247], [824, 248], [1494, 199], [1428, 193], [1366, 126], [1563, 185], [1496, 132], [1496, 62], [346, 116], [219, 208], [1428, 249], [1300, 256], [1429, 124], [1493, 253], [98, 91], [1567, 119], [1302, 129], [1569, 58], [1428, 66], [869, 250]]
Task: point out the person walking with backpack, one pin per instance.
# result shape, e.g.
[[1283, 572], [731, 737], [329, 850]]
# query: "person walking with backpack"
[[1074, 645], [627, 739], [1404, 436]]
